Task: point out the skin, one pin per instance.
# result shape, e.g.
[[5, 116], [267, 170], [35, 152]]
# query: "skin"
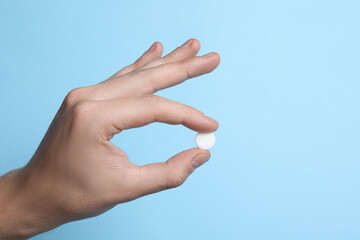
[[77, 173]]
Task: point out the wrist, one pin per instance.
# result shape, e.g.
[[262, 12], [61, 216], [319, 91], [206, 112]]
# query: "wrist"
[[12, 223], [24, 210]]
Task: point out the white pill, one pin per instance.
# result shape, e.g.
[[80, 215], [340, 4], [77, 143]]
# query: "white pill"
[[205, 140]]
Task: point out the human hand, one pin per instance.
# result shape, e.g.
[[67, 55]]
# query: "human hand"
[[77, 172]]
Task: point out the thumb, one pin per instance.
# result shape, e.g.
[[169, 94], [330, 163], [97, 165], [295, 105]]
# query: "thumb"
[[156, 177]]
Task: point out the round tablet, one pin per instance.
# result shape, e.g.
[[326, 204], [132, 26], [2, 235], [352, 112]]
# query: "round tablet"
[[205, 140]]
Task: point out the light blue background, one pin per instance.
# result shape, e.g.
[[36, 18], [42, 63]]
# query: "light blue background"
[[286, 164]]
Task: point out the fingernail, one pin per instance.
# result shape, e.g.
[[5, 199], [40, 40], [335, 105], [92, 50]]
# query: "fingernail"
[[208, 55], [187, 43], [211, 119], [153, 46], [200, 160]]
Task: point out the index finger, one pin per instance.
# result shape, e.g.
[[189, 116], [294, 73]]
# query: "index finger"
[[133, 112]]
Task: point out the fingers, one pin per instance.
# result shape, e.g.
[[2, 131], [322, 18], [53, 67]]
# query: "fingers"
[[152, 57], [150, 73], [174, 73], [155, 177], [189, 49], [153, 53], [150, 80], [125, 113]]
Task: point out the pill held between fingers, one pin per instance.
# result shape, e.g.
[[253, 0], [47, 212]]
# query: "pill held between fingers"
[[205, 141]]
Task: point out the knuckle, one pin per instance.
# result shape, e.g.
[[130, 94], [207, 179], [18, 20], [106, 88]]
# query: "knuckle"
[[152, 99], [73, 97], [149, 87], [184, 68], [83, 111], [191, 109], [174, 178], [153, 102]]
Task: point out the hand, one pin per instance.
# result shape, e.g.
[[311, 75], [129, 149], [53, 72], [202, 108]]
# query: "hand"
[[77, 172]]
